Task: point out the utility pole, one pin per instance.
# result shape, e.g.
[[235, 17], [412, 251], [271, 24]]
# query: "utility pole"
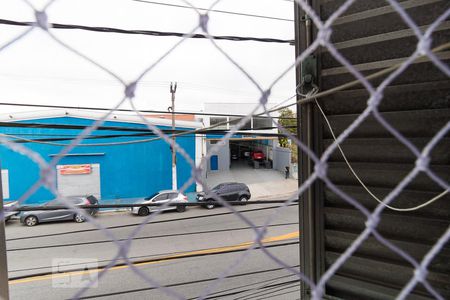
[[173, 90], [4, 289]]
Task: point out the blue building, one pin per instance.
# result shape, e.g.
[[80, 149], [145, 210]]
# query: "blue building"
[[123, 159]]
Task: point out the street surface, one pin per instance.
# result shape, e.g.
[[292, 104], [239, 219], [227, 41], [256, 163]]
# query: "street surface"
[[183, 251]]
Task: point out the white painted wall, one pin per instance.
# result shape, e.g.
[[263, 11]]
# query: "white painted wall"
[[200, 152], [223, 153], [5, 184]]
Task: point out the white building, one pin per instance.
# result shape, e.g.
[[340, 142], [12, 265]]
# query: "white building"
[[259, 133]]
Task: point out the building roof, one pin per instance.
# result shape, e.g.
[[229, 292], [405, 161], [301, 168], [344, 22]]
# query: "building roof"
[[168, 116], [236, 108], [93, 115]]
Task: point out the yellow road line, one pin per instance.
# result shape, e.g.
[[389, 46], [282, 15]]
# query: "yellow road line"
[[245, 245]]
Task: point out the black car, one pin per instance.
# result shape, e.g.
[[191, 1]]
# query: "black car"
[[230, 191]]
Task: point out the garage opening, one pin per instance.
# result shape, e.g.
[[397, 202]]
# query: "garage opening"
[[251, 152], [266, 178], [257, 152]]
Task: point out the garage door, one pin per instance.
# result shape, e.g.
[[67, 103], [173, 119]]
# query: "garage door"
[[79, 180]]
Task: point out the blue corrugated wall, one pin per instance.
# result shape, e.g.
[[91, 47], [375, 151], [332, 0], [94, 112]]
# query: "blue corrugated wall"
[[134, 170]]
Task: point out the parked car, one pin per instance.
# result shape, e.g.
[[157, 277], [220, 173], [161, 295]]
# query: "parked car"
[[234, 156], [230, 191], [161, 198], [10, 214], [258, 155], [32, 218]]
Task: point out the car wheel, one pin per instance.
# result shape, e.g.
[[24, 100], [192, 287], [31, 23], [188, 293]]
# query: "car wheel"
[[181, 208], [210, 204], [243, 200], [92, 211], [79, 218], [31, 221], [143, 211]]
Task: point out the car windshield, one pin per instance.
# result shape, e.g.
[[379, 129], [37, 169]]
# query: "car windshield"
[[61, 202], [217, 187]]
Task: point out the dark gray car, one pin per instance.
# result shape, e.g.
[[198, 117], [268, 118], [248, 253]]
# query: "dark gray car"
[[32, 218], [229, 191]]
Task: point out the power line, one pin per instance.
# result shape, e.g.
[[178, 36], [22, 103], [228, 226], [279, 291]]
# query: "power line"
[[149, 32], [215, 10], [331, 91], [301, 101], [203, 281], [144, 237], [50, 141], [137, 224], [150, 133], [357, 82], [128, 110], [130, 129]]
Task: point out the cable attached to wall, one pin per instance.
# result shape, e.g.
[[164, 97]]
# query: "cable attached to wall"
[[365, 186]]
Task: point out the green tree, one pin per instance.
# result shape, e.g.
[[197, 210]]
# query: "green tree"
[[289, 121]]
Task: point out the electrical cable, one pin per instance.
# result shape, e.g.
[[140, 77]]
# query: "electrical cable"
[[256, 290], [281, 103], [242, 131], [150, 32], [215, 10], [364, 185], [303, 100], [174, 256], [327, 92], [142, 238], [137, 224], [296, 290], [59, 126], [118, 128], [270, 290], [130, 110], [126, 292], [51, 141], [356, 82], [220, 293]]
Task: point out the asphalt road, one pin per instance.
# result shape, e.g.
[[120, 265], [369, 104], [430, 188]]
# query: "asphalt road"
[[185, 252]]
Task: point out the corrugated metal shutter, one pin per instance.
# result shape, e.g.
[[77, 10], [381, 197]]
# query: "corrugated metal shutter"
[[372, 36], [80, 184]]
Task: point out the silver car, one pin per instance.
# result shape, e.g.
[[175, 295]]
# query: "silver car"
[[10, 214], [161, 198], [32, 218]]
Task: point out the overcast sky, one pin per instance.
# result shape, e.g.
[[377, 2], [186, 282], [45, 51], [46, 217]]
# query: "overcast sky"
[[38, 70]]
